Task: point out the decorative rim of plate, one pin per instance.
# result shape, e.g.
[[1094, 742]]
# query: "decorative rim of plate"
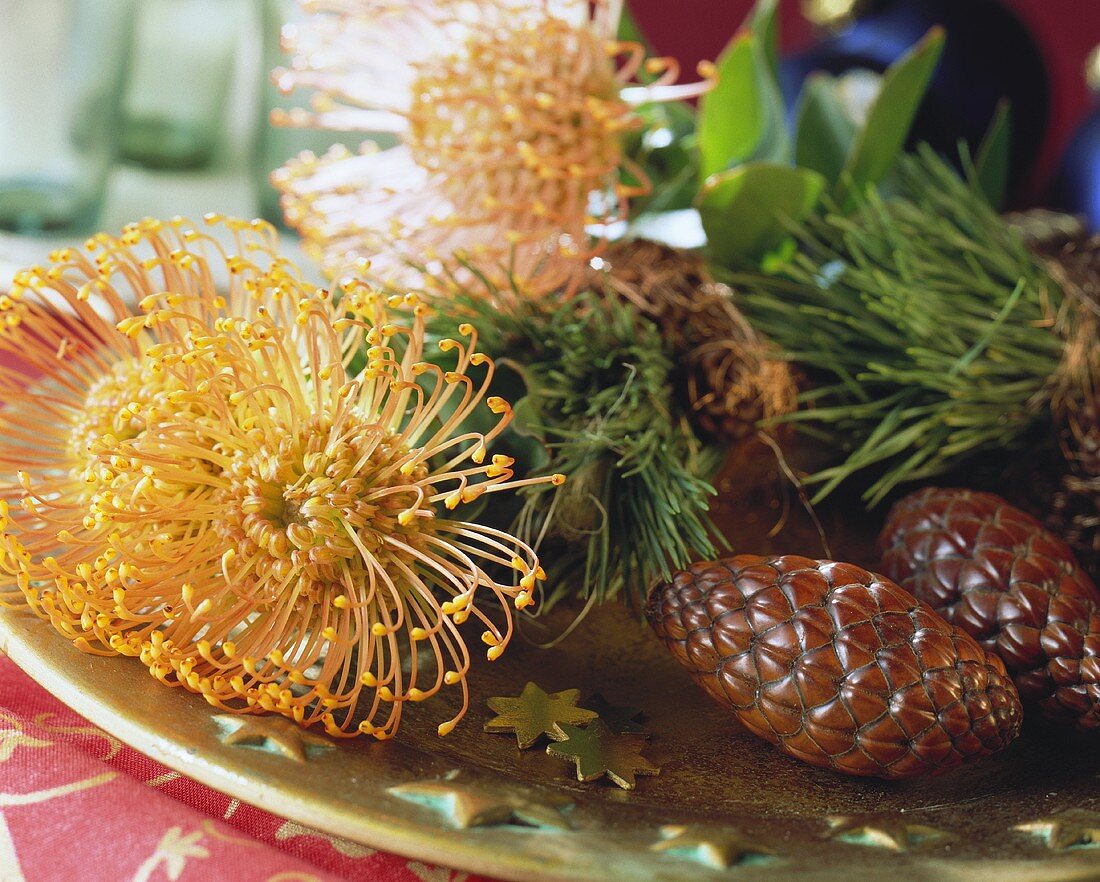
[[503, 822]]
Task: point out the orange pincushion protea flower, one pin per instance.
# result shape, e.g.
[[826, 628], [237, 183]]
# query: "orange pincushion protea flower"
[[510, 113], [310, 518], [69, 376], [277, 535]]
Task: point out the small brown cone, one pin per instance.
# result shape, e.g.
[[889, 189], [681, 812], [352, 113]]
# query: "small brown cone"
[[730, 376]]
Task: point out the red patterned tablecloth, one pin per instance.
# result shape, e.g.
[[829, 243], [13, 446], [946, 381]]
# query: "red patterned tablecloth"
[[77, 804]]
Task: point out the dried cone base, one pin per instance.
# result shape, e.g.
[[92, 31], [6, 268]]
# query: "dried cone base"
[[996, 573], [1076, 505], [729, 375], [835, 665], [1073, 258]]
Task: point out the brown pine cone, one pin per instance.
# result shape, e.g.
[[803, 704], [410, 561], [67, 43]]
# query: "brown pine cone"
[[835, 665], [995, 572]]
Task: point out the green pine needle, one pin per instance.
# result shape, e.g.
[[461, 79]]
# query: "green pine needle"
[[926, 322], [591, 384]]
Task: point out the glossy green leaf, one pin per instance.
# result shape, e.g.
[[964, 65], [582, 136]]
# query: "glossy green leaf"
[[823, 130], [992, 162], [764, 24], [745, 210], [629, 32], [744, 117], [882, 137], [774, 142], [664, 148], [731, 116]]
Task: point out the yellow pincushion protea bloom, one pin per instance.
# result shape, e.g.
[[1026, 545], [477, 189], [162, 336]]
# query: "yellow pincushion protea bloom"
[[324, 577], [510, 113], [69, 376], [278, 536]]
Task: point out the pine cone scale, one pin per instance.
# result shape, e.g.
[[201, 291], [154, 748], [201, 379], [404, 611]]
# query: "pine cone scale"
[[996, 573], [834, 665]]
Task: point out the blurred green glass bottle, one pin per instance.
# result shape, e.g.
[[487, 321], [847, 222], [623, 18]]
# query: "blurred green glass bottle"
[[274, 144], [174, 112], [62, 69]]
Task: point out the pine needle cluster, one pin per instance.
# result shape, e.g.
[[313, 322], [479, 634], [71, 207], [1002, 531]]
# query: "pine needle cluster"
[[931, 331], [598, 402]]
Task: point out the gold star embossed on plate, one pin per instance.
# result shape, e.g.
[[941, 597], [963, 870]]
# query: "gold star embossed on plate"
[[469, 804], [275, 734], [1073, 828], [1009, 817], [597, 751], [535, 713], [894, 834], [716, 847]]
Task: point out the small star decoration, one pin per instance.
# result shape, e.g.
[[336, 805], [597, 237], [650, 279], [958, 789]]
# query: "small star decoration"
[[597, 751], [536, 713], [620, 720], [607, 747]]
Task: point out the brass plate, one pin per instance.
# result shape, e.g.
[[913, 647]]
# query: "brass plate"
[[725, 805]]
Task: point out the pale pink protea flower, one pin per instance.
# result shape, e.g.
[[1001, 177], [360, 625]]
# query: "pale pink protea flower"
[[511, 115]]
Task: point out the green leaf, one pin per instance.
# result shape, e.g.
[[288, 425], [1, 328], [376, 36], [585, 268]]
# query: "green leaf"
[[990, 174], [763, 22], [731, 116], [629, 32], [744, 118], [745, 210], [882, 137], [664, 148], [823, 131], [774, 142]]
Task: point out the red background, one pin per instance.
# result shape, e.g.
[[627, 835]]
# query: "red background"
[[1065, 31]]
